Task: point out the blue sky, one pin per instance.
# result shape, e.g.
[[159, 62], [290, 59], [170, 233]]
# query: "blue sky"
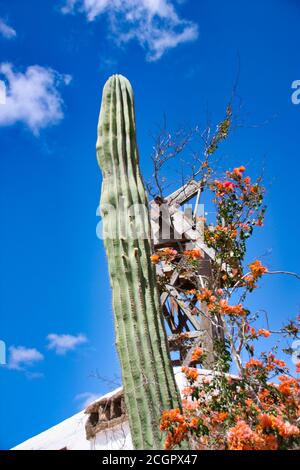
[[181, 57]]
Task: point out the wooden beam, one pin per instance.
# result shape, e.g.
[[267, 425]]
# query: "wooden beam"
[[175, 294], [174, 277], [169, 318], [188, 358], [190, 335], [184, 194]]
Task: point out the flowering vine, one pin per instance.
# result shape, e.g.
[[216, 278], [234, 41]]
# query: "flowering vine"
[[248, 401]]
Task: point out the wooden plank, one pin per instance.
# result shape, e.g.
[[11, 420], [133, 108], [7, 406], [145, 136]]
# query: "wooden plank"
[[184, 227], [184, 194], [174, 277], [170, 320], [175, 294], [188, 358], [190, 335]]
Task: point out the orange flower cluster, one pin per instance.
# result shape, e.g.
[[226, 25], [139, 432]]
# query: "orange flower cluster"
[[253, 364], [242, 437], [167, 255], [230, 231], [155, 259], [221, 306], [206, 295], [265, 398], [272, 362], [223, 187], [288, 385], [197, 354], [276, 423], [220, 232], [220, 417], [231, 309], [262, 332], [239, 171], [190, 373], [257, 270], [266, 420], [256, 334], [269, 363], [244, 184], [186, 391], [174, 422], [193, 254]]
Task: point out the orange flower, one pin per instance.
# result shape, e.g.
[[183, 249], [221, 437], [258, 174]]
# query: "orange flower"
[[250, 281], [170, 417], [193, 254], [190, 373], [194, 423], [253, 363], [231, 310], [241, 437], [264, 396], [154, 259], [265, 333], [174, 421], [220, 417], [254, 189], [271, 442], [239, 171], [288, 385], [249, 402], [186, 391], [205, 295], [266, 421], [191, 292], [228, 186], [257, 269], [197, 354], [279, 363], [276, 423], [168, 252]]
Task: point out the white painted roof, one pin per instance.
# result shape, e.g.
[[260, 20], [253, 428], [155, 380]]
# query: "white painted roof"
[[70, 433]]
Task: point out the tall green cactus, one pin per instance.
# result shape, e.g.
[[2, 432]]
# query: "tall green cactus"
[[148, 379]]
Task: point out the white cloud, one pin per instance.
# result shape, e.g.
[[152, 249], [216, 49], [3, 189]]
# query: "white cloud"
[[7, 31], [32, 97], [63, 343], [155, 24], [21, 357], [86, 398]]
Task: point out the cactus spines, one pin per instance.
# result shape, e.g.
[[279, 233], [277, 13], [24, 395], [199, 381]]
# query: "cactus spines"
[[148, 379]]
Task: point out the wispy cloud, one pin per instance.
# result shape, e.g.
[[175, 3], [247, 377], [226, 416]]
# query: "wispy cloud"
[[86, 398], [7, 31], [155, 24], [64, 343], [32, 97], [20, 357]]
